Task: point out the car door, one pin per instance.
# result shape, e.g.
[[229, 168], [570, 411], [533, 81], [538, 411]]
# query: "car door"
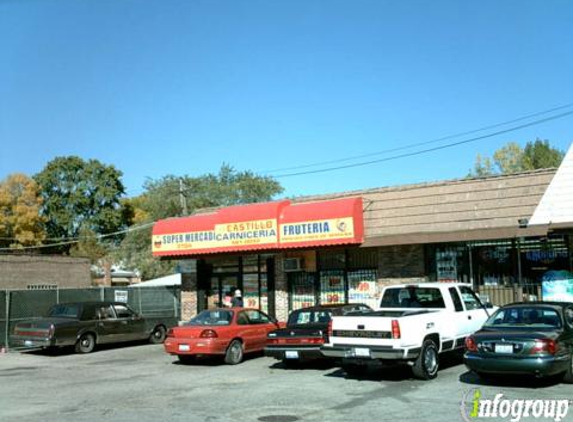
[[460, 319], [247, 331], [475, 313], [108, 326], [131, 326], [262, 325]]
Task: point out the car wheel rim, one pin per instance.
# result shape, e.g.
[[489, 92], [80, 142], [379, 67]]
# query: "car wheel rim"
[[431, 360], [236, 352], [86, 343]]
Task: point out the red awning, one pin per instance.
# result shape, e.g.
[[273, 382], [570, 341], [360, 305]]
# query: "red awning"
[[334, 222], [271, 225], [237, 228]]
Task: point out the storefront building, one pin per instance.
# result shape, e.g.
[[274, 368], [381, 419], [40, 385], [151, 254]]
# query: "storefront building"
[[505, 235]]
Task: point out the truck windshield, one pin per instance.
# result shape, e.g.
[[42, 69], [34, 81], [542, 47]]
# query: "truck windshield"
[[412, 297]]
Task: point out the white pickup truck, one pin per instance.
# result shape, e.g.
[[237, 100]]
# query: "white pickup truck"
[[414, 324]]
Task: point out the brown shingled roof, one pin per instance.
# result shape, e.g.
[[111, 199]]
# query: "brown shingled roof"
[[463, 209]]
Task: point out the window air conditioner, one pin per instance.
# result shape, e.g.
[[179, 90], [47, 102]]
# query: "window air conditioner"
[[292, 264]]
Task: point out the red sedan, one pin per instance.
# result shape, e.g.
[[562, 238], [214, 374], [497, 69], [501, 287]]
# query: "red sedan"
[[225, 332]]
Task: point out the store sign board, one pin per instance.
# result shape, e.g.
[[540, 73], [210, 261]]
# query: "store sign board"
[[227, 235], [318, 230], [284, 226]]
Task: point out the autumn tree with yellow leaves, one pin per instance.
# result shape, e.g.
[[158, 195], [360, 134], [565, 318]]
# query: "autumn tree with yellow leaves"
[[20, 221]]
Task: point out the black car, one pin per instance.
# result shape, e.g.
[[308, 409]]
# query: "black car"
[[306, 331], [85, 324], [524, 338]]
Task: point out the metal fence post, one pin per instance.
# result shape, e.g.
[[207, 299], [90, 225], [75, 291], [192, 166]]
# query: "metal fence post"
[[174, 293], [102, 293], [7, 333]]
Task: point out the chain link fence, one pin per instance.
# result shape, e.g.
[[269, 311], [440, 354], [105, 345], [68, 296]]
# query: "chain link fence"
[[150, 302]]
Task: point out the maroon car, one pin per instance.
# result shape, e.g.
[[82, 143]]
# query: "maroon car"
[[306, 331]]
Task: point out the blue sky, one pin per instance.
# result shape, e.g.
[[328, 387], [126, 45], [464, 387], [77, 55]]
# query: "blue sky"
[[163, 87]]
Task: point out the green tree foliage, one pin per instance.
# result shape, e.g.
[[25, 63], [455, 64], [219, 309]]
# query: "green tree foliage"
[[162, 199], [540, 155], [511, 158], [20, 220], [81, 194]]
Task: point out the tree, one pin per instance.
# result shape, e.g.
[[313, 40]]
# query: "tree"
[[78, 193], [511, 158], [540, 155], [20, 221], [162, 199]]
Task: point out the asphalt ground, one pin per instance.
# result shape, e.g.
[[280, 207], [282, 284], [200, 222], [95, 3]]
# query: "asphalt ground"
[[140, 383]]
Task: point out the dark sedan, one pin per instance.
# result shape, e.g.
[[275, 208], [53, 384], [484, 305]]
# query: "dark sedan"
[[524, 338], [305, 332], [85, 324]]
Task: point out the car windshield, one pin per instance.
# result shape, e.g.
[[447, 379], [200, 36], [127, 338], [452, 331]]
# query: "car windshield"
[[525, 316], [412, 297], [317, 316], [218, 317], [64, 311]]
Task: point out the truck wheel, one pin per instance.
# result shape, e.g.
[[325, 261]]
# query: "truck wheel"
[[426, 365], [85, 343]]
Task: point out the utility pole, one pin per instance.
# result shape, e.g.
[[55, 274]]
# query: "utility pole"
[[182, 198]]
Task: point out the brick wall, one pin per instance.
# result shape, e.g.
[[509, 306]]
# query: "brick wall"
[[21, 271], [400, 265]]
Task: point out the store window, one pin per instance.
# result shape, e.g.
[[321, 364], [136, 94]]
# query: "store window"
[[362, 287], [302, 291], [448, 263], [332, 289]]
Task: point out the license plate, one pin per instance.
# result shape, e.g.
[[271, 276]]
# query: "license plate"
[[28, 343], [503, 348], [184, 348], [361, 352], [291, 354]]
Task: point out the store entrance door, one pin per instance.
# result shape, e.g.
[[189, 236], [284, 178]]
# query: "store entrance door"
[[220, 286]]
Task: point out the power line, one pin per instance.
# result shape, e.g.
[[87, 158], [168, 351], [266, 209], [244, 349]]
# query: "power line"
[[72, 240], [432, 141], [411, 154]]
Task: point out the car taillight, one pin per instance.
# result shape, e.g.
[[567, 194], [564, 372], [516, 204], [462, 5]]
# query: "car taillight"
[[208, 334], [471, 344], [170, 333], [396, 329], [544, 346]]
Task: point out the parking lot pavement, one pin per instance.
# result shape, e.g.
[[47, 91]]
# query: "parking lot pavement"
[[141, 383]]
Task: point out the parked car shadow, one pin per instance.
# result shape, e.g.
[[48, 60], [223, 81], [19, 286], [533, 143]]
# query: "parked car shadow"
[[395, 372], [320, 364], [515, 381], [211, 360], [69, 350]]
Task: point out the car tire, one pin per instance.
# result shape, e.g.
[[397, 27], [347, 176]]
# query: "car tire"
[[158, 335], [426, 365], [234, 353], [185, 359], [85, 344], [568, 376], [354, 369]]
